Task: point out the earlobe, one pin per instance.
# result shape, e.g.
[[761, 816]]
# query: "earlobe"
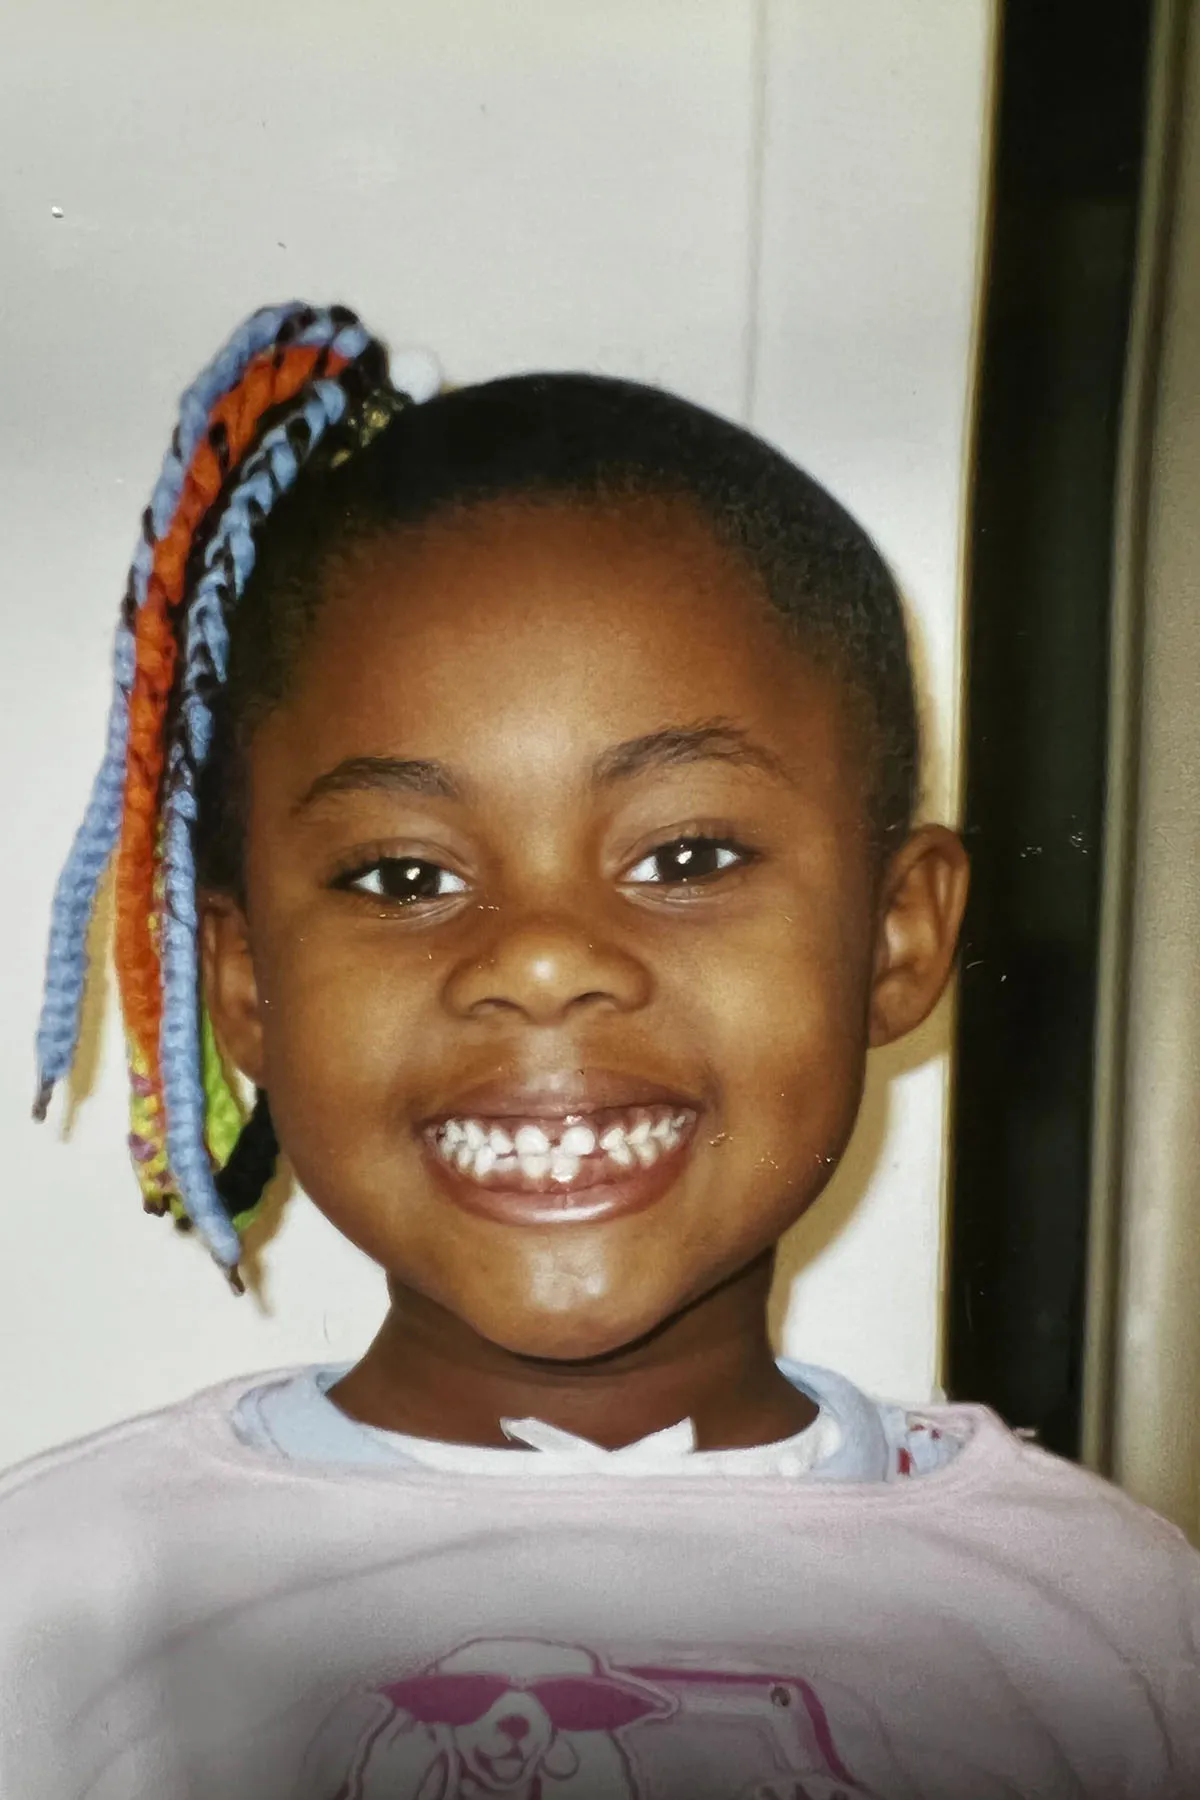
[[230, 986], [924, 893]]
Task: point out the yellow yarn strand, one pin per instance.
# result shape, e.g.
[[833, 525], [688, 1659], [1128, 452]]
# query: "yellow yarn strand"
[[147, 1117], [148, 1137], [224, 1114]]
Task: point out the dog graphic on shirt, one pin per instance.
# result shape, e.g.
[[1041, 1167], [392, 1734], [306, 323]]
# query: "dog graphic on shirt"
[[513, 1718], [525, 1719]]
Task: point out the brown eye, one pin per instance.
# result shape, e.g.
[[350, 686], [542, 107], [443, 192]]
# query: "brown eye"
[[405, 880], [687, 859]]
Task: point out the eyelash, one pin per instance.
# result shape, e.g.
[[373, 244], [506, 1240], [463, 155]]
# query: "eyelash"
[[688, 842], [743, 856], [350, 880]]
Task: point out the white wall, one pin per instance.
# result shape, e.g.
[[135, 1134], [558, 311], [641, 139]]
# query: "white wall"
[[774, 208]]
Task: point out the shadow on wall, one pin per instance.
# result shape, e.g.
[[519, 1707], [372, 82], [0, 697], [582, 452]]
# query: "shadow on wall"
[[89, 1050], [831, 1213]]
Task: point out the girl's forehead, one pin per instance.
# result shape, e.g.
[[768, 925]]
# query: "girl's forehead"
[[519, 648], [508, 551], [570, 602]]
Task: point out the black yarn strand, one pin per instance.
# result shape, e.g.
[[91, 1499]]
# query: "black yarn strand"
[[241, 1182]]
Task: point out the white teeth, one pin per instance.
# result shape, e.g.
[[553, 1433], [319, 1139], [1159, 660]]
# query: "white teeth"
[[614, 1144], [484, 1151]]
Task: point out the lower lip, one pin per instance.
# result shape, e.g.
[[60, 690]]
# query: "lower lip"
[[628, 1191]]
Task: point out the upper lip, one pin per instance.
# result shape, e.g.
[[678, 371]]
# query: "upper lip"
[[559, 1094]]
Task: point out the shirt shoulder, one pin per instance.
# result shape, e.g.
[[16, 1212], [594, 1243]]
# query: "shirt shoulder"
[[1004, 1499], [132, 1465]]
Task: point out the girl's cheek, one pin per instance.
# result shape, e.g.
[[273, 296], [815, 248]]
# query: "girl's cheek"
[[327, 1018]]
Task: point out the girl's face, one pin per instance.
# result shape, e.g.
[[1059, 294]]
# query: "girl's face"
[[511, 739]]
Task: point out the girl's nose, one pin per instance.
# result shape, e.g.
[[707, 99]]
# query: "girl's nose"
[[545, 967]]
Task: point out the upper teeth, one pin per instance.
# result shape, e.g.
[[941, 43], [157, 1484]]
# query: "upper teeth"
[[555, 1149], [617, 1145]]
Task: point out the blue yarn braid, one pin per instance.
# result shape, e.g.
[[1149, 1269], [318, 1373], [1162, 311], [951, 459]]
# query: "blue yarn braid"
[[228, 562], [75, 894]]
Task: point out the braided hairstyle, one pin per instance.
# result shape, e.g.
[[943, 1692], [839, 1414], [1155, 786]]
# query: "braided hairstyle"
[[294, 444]]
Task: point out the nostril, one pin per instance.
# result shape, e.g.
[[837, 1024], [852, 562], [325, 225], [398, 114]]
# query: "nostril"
[[513, 1726]]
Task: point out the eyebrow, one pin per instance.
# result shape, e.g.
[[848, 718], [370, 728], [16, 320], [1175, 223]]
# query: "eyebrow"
[[714, 740], [395, 774]]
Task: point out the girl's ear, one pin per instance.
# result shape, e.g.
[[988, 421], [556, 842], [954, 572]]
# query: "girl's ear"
[[923, 896], [230, 987]]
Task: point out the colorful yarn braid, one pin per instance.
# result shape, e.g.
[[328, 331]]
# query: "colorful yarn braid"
[[75, 895], [267, 382], [222, 476]]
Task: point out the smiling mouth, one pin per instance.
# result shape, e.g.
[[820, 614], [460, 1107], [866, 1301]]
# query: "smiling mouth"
[[582, 1166]]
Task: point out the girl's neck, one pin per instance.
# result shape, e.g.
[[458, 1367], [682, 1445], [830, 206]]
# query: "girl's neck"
[[429, 1375]]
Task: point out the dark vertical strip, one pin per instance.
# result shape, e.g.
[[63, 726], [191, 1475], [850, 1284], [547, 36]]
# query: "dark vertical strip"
[[1071, 115]]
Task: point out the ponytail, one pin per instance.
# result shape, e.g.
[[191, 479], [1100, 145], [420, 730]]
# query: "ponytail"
[[247, 428]]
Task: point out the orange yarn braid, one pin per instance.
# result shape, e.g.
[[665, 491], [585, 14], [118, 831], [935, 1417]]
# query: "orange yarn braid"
[[271, 379], [248, 423]]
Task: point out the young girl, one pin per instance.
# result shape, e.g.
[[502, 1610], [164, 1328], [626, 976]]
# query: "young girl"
[[517, 788]]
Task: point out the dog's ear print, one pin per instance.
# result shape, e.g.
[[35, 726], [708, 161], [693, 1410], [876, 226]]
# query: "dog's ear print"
[[561, 1759]]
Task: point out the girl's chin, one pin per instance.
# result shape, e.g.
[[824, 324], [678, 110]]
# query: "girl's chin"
[[572, 1335]]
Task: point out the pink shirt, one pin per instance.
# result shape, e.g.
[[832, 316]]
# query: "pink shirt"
[[184, 1614]]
